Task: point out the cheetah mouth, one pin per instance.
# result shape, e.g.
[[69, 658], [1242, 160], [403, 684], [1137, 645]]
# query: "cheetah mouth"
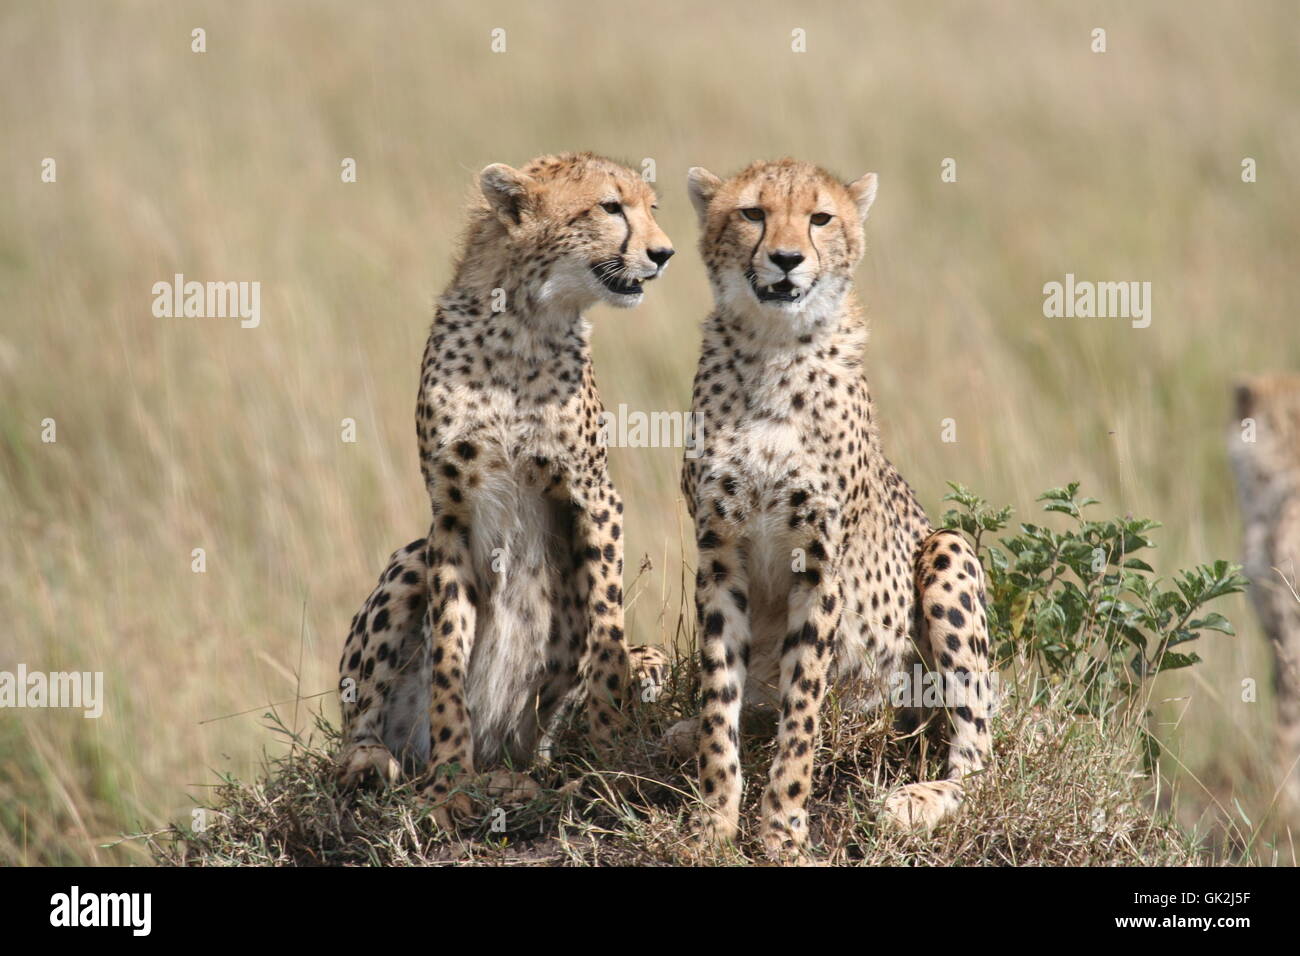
[[609, 273], [783, 291]]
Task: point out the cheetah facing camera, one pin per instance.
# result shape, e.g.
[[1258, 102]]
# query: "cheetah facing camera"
[[480, 637], [1266, 463], [816, 563]]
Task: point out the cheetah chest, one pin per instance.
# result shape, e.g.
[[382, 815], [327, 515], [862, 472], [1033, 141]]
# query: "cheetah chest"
[[777, 463], [520, 530]]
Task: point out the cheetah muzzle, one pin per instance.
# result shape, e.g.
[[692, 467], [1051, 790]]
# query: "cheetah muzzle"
[[613, 275]]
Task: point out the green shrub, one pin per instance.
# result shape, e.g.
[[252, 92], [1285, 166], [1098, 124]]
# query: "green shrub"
[[1087, 615]]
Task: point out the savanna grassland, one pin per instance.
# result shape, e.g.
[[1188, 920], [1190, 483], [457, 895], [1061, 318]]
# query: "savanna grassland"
[[175, 434]]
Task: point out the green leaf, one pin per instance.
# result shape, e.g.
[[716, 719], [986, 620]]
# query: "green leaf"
[[1212, 622], [1170, 661]]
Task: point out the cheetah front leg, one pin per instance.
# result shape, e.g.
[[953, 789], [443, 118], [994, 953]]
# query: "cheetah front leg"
[[598, 526], [449, 621], [814, 613], [955, 641], [722, 600]]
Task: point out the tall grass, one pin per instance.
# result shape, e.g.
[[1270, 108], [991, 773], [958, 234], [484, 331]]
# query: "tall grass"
[[176, 434]]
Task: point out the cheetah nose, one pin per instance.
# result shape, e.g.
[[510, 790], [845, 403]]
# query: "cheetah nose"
[[660, 256], [786, 260]]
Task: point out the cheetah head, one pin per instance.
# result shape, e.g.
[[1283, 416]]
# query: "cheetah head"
[[583, 228], [781, 238]]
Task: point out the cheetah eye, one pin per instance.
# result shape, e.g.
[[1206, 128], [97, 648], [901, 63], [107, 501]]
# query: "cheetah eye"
[[821, 218], [753, 214], [613, 208]]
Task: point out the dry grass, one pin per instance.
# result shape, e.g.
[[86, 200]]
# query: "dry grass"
[[1060, 793], [177, 434]]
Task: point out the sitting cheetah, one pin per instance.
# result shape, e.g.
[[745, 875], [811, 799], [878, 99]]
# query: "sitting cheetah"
[[1264, 446], [816, 562], [518, 585]]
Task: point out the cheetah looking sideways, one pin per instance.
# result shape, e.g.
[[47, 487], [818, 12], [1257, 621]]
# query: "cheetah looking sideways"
[[816, 563], [481, 634]]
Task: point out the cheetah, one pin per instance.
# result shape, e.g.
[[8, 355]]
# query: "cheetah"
[[816, 562], [481, 635], [1264, 448]]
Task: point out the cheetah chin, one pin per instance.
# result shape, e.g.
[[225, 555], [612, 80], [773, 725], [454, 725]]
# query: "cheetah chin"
[[783, 291]]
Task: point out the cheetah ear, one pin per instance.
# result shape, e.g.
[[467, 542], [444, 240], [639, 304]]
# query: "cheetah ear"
[[863, 191], [507, 191], [1244, 399], [703, 186]]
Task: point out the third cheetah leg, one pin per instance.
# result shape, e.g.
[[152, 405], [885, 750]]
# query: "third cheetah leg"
[[383, 675], [954, 638]]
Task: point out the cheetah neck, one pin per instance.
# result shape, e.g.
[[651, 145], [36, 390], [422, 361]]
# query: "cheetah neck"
[[836, 334], [510, 319], [788, 383]]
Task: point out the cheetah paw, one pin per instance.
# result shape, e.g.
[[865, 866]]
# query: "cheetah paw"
[[710, 830], [920, 806], [681, 742], [449, 803], [510, 788], [364, 760], [784, 837], [456, 800]]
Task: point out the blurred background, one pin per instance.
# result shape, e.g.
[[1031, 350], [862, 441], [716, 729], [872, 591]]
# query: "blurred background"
[[175, 434]]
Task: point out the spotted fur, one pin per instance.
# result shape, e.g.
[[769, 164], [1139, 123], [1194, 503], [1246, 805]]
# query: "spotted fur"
[[816, 562], [517, 589]]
